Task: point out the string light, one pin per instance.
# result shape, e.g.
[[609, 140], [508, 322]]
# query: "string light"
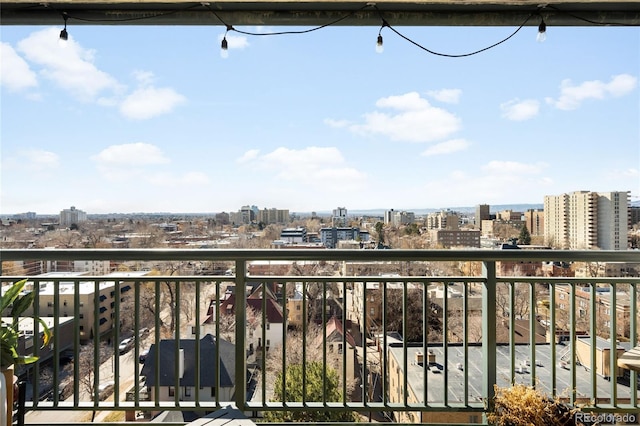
[[64, 35], [541, 36], [224, 47], [542, 31], [379, 43]]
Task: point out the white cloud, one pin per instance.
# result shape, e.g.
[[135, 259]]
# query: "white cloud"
[[32, 160], [133, 154], [513, 168], [149, 102], [248, 156], [143, 163], [145, 78], [448, 147], [415, 120], [624, 174], [15, 73], [71, 67], [337, 124], [493, 183], [171, 180], [450, 96], [572, 96], [320, 167], [235, 41], [518, 110]]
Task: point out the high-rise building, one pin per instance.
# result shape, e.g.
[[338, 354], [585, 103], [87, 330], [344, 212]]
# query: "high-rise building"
[[482, 213], [534, 219], [269, 216], [339, 217], [445, 219], [584, 220], [72, 216], [398, 218]]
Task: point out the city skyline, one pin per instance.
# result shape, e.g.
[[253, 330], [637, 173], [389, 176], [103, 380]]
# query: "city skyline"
[[152, 119]]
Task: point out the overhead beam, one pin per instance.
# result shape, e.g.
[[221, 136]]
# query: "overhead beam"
[[312, 13]]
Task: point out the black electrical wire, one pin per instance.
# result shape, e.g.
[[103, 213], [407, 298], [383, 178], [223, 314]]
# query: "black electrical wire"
[[231, 28]]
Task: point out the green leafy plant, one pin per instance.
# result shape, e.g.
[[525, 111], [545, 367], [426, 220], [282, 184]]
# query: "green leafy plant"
[[9, 332]]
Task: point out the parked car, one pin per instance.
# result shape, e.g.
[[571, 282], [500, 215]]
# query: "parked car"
[[104, 390], [143, 356], [125, 345]]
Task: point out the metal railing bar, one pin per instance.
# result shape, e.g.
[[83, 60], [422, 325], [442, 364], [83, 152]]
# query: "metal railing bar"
[[197, 337], [553, 339], [136, 377], [405, 361], [512, 329], [345, 330], [593, 335], [116, 353], [96, 345], [489, 330], [158, 324], [305, 329], [532, 332], [465, 347], [324, 343], [352, 255], [445, 341], [572, 343], [613, 338], [241, 335], [366, 320]]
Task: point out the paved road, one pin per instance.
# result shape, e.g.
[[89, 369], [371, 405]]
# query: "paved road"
[[127, 368]]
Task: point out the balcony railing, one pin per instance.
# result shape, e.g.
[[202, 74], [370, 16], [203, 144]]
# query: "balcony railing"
[[413, 336]]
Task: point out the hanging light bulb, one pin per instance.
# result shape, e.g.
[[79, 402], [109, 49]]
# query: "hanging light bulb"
[[224, 51], [542, 32], [379, 45], [64, 35]]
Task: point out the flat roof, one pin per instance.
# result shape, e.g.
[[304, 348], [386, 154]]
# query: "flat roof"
[[456, 377]]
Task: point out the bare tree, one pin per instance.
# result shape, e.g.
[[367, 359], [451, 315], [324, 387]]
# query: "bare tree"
[[87, 370]]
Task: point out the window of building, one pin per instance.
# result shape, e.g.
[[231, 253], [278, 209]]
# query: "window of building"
[[339, 348], [172, 391], [187, 391], [298, 307], [50, 304], [213, 391]]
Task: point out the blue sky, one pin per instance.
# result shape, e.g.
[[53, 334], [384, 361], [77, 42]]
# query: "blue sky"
[[147, 119]]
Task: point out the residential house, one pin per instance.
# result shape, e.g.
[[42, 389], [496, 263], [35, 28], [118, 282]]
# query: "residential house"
[[185, 384]]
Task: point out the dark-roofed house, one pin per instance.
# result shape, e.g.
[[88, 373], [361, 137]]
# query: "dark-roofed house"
[[187, 380]]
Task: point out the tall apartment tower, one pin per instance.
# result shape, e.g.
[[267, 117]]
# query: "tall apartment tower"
[[534, 219], [339, 217], [71, 216], [585, 220], [482, 213]]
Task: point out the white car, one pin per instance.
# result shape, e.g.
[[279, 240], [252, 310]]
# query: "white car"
[[125, 345]]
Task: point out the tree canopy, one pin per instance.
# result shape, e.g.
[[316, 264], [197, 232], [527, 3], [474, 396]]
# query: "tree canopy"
[[525, 236], [319, 381]]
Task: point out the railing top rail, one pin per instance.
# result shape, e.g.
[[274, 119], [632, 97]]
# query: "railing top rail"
[[301, 254]]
